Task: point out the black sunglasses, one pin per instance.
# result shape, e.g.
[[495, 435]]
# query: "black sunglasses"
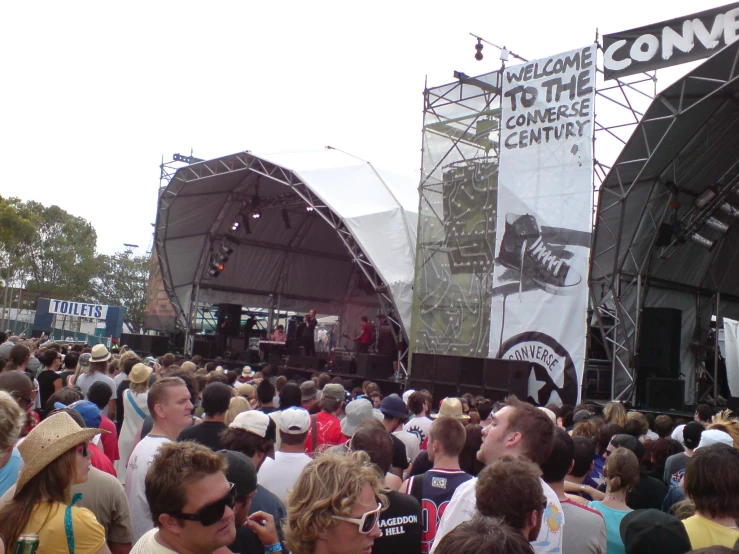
[[213, 512]]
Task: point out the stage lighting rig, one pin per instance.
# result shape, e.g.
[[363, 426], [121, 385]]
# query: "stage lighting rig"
[[309, 208], [245, 222], [256, 215], [286, 218], [478, 50]]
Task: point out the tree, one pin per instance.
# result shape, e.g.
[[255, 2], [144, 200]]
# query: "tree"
[[120, 280], [17, 232]]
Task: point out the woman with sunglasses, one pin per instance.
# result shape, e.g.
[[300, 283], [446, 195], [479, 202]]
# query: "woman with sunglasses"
[[56, 457], [335, 506]]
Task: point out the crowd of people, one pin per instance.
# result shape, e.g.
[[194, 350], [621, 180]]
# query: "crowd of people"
[[112, 453]]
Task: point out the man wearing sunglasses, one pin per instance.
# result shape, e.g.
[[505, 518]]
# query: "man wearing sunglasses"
[[21, 388], [190, 500]]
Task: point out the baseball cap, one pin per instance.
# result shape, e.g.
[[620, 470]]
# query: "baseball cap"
[[335, 391], [90, 412], [714, 436], [407, 395], [581, 414], [241, 472], [649, 531], [692, 434], [357, 412], [394, 406], [308, 391], [294, 421], [253, 421], [84, 359]]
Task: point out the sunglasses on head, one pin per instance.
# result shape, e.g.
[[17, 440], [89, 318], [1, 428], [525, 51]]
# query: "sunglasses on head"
[[368, 520], [213, 512]]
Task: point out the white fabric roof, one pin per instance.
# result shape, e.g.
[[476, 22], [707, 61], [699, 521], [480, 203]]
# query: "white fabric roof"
[[308, 266]]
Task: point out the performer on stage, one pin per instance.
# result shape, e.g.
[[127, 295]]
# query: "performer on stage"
[[309, 334], [364, 338], [279, 335]]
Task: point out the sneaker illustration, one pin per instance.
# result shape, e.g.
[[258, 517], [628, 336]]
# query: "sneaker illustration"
[[522, 249]]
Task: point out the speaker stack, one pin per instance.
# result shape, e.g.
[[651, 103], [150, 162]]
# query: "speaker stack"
[[658, 382], [446, 376]]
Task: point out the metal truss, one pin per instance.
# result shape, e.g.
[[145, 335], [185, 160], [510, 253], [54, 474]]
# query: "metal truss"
[[249, 165], [618, 294]]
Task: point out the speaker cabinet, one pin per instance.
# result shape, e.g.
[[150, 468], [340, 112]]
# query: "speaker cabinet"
[[665, 394], [229, 320], [204, 348], [455, 375], [659, 341], [374, 366]]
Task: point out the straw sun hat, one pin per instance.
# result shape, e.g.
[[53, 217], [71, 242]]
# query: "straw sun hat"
[[47, 441]]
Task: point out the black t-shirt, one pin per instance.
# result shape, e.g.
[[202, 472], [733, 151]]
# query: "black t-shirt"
[[246, 542], [65, 375], [122, 388], [648, 493], [422, 463], [400, 526], [207, 433], [400, 459], [46, 381]]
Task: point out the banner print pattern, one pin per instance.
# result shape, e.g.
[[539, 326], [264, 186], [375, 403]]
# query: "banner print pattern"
[[539, 304]]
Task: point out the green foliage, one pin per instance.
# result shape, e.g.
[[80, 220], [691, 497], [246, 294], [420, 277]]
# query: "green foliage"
[[51, 253], [120, 280]]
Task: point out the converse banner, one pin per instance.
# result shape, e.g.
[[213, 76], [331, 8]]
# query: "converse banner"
[[539, 304]]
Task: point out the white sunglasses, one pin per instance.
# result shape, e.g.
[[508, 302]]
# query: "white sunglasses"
[[368, 520]]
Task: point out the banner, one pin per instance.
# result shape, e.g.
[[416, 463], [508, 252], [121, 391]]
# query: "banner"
[[160, 313], [539, 304], [672, 42], [79, 309], [731, 354]]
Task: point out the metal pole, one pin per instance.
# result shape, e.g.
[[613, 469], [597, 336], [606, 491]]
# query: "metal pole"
[[715, 351], [616, 291]]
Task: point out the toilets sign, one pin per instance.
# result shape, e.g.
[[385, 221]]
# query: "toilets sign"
[[673, 42], [78, 309]]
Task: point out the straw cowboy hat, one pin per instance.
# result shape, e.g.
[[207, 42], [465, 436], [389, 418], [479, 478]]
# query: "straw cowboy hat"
[[47, 441], [451, 407]]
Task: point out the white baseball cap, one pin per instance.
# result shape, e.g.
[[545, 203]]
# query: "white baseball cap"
[[407, 395], [714, 436], [294, 421], [253, 421]]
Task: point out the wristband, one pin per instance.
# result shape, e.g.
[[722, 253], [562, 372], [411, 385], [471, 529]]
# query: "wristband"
[[582, 488], [277, 547]]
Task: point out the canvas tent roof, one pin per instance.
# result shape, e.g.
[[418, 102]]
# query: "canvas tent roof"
[[357, 247], [686, 143]]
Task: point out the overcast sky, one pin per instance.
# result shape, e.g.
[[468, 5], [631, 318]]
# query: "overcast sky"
[[94, 93]]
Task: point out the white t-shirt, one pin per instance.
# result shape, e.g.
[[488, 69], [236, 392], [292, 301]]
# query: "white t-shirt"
[[677, 434], [419, 426], [138, 465], [463, 506], [279, 475], [412, 444], [149, 545], [85, 381]]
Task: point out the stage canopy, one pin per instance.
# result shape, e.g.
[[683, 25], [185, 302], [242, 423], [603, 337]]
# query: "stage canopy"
[[321, 230], [666, 232]]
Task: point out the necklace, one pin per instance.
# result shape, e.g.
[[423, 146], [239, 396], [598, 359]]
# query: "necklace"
[[614, 498]]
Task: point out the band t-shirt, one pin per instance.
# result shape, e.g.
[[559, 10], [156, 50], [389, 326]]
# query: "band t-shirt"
[[400, 526], [420, 427], [328, 429]]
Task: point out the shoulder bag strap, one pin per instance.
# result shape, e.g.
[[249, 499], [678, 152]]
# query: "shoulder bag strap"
[[135, 406], [314, 431], [68, 527]]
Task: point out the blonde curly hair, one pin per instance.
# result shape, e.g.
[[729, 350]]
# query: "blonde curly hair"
[[724, 422], [328, 486], [12, 419]]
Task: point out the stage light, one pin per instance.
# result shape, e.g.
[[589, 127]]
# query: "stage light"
[[286, 218], [216, 268], [728, 209], [717, 225], [478, 48], [256, 215], [704, 198], [703, 241], [235, 226], [309, 208]]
